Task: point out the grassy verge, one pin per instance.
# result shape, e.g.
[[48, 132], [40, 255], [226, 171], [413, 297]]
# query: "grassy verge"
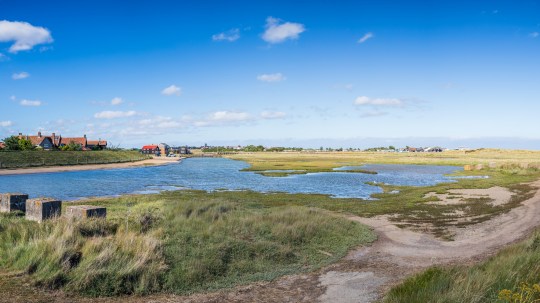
[[176, 242], [494, 280], [23, 159]]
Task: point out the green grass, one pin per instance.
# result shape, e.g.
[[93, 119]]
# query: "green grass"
[[176, 242], [23, 159], [519, 263]]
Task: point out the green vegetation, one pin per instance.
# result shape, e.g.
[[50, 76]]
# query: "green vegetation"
[[514, 270], [14, 143], [23, 159], [326, 161], [177, 242]]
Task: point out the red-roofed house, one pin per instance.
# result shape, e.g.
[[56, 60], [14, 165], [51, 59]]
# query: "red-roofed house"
[[151, 150]]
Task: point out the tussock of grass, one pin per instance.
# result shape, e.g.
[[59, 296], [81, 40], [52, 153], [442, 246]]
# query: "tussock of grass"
[[512, 266], [60, 254]]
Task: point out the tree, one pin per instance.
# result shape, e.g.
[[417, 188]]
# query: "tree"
[[72, 146], [25, 144], [12, 143]]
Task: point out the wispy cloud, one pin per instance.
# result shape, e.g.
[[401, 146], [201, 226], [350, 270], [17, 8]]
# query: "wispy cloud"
[[224, 117], [23, 35], [114, 114], [172, 90], [366, 37], [534, 34], [278, 31], [277, 77], [19, 76], [230, 35], [6, 123], [372, 114], [26, 102], [272, 115], [3, 57], [117, 101], [363, 100]]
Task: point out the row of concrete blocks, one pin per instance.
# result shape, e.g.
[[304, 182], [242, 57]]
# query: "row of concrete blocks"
[[41, 209]]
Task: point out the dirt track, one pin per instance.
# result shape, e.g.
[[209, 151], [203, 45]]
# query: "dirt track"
[[367, 272]]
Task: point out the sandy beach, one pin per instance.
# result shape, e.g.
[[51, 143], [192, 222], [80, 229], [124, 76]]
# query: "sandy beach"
[[36, 170]]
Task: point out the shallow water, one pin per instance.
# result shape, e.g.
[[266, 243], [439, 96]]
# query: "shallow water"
[[218, 174]]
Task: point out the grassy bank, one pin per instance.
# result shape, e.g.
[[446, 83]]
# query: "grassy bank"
[[495, 280], [177, 242], [24, 159]]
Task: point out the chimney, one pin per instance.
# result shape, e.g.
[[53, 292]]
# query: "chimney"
[[84, 136], [53, 135], [39, 134], [20, 135]]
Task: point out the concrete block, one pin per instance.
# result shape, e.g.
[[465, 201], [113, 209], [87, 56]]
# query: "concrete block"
[[41, 209], [478, 167], [12, 202], [86, 211], [467, 167]]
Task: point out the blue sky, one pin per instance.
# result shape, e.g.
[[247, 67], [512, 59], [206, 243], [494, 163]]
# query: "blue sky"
[[311, 73]]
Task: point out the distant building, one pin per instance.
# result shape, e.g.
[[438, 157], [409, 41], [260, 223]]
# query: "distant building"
[[151, 150], [2, 145], [164, 148], [55, 142]]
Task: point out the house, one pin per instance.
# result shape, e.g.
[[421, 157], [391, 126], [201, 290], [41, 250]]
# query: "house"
[[151, 150], [40, 141], [99, 144], [2, 145], [164, 148]]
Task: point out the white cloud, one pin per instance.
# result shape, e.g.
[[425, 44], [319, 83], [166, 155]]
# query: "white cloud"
[[25, 102], [114, 114], [223, 117], [272, 115], [277, 77], [13, 98], [6, 123], [3, 57], [24, 35], [366, 37], [363, 100], [117, 101], [19, 76], [172, 90], [534, 34], [231, 35], [161, 122], [277, 31]]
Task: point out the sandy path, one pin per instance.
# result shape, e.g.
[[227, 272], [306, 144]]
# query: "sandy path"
[[55, 169], [368, 272]]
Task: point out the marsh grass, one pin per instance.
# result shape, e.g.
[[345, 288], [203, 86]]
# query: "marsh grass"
[[177, 242], [484, 282]]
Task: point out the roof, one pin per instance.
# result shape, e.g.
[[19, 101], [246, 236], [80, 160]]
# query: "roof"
[[150, 147], [79, 140], [98, 142], [36, 140]]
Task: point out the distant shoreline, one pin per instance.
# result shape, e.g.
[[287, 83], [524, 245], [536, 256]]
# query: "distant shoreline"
[[54, 169]]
